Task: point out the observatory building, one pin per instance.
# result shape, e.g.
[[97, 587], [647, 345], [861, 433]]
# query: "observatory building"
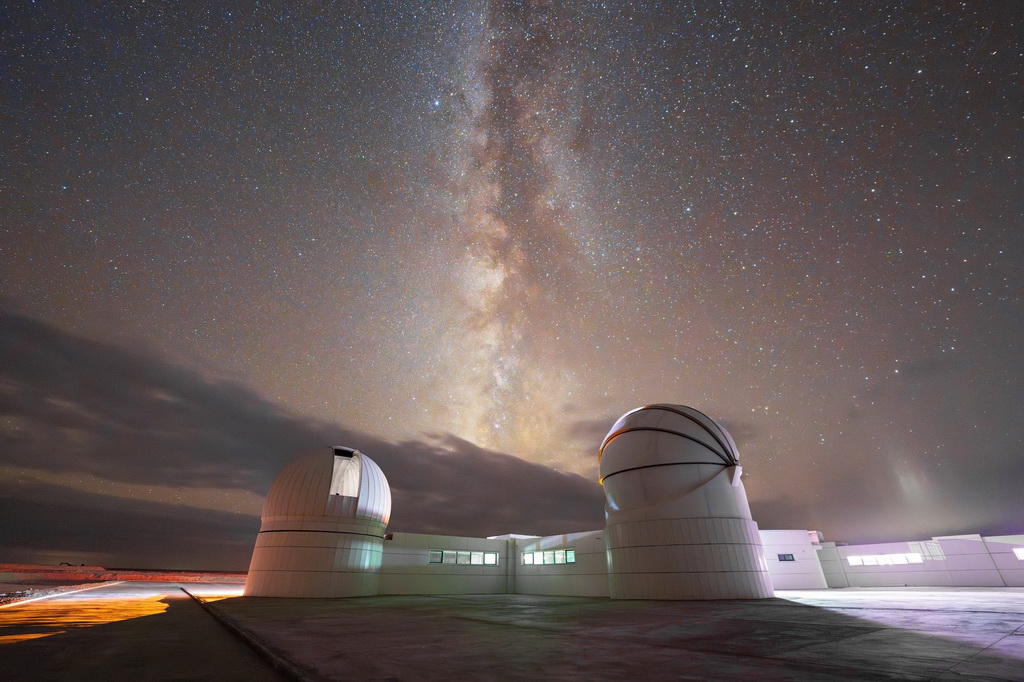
[[322, 533], [678, 526], [678, 523]]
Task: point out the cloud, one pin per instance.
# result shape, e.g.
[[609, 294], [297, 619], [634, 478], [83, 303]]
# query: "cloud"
[[52, 524], [591, 431], [72, 405], [91, 412]]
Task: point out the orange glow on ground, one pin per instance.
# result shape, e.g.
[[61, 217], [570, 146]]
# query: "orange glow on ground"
[[53, 616], [37, 618]]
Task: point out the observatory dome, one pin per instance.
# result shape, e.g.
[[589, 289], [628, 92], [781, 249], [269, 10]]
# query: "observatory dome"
[[677, 522], [665, 434], [328, 485], [323, 528]]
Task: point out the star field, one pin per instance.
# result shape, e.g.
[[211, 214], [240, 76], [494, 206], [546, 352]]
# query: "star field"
[[510, 222]]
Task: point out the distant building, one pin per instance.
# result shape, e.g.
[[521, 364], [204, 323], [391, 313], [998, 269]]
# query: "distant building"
[[678, 527]]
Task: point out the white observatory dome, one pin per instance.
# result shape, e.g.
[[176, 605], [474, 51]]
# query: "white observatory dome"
[[665, 434], [677, 522], [328, 485], [323, 528]]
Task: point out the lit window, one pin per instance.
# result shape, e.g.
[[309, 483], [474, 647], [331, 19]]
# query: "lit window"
[[1019, 552], [927, 550], [550, 556], [450, 556], [786, 557], [886, 559]]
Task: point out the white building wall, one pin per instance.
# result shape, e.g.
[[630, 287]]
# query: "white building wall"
[[804, 572], [968, 562], [405, 568], [1009, 565], [832, 565], [587, 577], [955, 561], [931, 572], [946, 561]]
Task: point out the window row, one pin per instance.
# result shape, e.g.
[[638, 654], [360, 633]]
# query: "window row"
[[549, 556], [462, 557], [885, 559]]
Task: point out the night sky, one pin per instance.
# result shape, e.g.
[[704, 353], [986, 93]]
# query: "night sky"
[[466, 236]]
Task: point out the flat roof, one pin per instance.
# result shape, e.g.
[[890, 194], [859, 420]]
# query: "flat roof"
[[837, 634], [153, 631]]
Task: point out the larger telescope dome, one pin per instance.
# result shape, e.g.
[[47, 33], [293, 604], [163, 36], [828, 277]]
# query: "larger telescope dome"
[[663, 434]]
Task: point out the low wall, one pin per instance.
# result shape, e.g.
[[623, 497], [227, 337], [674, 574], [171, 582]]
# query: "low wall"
[[946, 561], [586, 577], [406, 566], [792, 559]]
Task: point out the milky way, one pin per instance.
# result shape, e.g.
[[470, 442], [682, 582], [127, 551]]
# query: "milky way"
[[501, 225], [514, 190]]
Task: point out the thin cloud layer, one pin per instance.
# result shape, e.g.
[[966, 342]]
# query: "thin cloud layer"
[[71, 405], [111, 455]]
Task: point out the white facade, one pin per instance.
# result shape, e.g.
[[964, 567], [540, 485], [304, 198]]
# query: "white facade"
[[465, 565], [946, 561], [585, 576], [322, 532], [792, 559], [678, 527], [678, 523]]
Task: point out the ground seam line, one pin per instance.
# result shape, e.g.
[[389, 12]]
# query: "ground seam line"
[[276, 658]]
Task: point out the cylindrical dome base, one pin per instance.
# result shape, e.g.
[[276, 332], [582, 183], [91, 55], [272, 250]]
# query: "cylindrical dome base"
[[314, 564], [695, 558], [322, 530]]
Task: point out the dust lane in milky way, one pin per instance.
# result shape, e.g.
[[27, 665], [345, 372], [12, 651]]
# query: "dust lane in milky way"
[[521, 273]]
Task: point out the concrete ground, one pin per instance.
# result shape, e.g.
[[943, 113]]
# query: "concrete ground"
[[146, 631], [853, 634]]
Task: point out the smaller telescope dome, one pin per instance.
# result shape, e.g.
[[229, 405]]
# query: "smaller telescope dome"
[[665, 434], [329, 484], [323, 527]]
